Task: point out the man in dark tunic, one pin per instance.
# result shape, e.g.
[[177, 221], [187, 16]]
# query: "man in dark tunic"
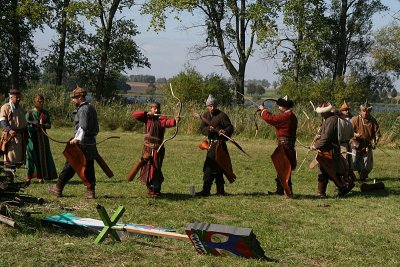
[[330, 161], [284, 156], [155, 124], [215, 124], [86, 130]]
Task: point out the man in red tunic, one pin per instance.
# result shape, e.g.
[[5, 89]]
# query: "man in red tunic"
[[155, 125], [284, 156]]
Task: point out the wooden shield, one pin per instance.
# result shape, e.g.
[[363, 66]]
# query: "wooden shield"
[[224, 162], [77, 160], [282, 167], [326, 163]]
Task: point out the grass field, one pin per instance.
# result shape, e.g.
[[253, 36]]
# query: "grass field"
[[358, 230]]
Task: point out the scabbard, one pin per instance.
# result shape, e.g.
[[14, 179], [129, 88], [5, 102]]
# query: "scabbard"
[[103, 165]]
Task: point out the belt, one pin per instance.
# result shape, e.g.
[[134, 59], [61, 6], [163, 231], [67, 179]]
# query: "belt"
[[286, 140]]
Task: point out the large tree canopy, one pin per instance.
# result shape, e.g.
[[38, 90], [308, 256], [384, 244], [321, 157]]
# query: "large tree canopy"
[[231, 29]]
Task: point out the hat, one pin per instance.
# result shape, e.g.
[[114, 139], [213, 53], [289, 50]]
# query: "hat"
[[366, 106], [211, 100], [14, 91], [344, 106], [78, 91], [285, 102], [324, 107]]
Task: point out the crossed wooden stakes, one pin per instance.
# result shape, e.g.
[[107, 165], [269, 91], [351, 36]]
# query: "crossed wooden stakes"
[[111, 227]]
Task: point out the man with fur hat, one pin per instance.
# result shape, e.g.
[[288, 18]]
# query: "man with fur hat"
[[14, 135], [331, 166], [284, 156], [154, 127], [215, 124], [367, 135], [86, 130]]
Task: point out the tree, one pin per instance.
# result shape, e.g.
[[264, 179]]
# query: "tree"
[[151, 89], [386, 50], [302, 38], [99, 57], [260, 90], [231, 29], [190, 85], [18, 20], [251, 88], [393, 94], [351, 32]]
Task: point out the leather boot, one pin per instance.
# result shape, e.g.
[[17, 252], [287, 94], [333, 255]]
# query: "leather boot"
[[363, 175], [279, 188], [56, 190], [206, 190], [220, 190], [321, 189]]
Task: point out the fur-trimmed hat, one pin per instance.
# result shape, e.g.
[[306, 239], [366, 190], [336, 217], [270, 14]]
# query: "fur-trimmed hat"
[[366, 106], [285, 102], [344, 106], [324, 107], [211, 100], [78, 91], [14, 91]]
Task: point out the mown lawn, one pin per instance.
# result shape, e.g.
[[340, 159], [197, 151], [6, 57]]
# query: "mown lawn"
[[358, 230]]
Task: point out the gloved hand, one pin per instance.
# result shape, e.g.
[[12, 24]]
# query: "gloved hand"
[[312, 147]]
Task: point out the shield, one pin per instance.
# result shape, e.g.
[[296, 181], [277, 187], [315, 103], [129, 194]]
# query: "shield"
[[283, 168], [77, 160], [224, 162]]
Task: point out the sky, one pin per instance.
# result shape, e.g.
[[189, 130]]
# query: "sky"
[[167, 51]]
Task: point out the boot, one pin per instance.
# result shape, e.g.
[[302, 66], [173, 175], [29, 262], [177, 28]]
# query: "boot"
[[90, 193], [56, 190], [206, 190], [363, 175], [220, 190], [279, 188], [364, 187], [290, 196], [321, 189], [345, 189]]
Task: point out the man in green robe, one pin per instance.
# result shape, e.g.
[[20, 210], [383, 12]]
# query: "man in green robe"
[[39, 161]]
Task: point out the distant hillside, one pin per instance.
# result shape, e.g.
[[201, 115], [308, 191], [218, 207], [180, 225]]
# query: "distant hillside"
[[139, 87]]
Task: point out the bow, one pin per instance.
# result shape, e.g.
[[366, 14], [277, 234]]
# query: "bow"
[[176, 123], [224, 135]]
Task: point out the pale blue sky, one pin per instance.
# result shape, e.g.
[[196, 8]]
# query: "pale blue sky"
[[168, 51]]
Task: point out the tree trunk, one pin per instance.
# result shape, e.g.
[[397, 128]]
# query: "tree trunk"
[[107, 28], [62, 29], [15, 46], [342, 43]]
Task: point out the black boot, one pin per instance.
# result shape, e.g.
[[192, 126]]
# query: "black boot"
[[220, 190], [279, 188], [206, 190]]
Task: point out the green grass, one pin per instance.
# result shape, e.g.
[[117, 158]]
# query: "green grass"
[[359, 230]]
